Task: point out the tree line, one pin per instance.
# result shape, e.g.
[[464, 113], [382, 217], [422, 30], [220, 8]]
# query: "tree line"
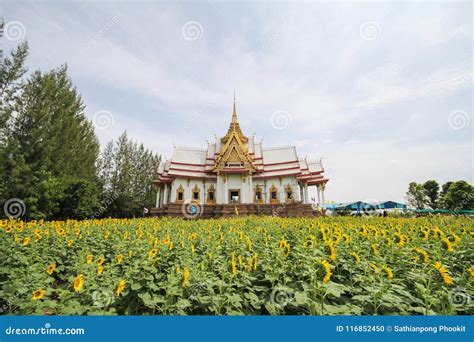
[[454, 196], [50, 159]]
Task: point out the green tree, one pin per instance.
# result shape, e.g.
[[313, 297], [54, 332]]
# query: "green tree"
[[417, 196], [432, 192], [50, 146], [444, 189], [126, 171], [459, 196], [80, 200], [12, 70]]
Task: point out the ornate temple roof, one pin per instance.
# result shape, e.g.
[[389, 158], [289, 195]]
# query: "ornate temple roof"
[[236, 153]]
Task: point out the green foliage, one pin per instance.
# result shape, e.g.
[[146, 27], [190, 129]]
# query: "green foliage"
[[80, 200], [417, 195], [398, 277], [453, 196], [459, 196], [12, 70], [49, 145], [49, 153], [432, 192], [126, 171]]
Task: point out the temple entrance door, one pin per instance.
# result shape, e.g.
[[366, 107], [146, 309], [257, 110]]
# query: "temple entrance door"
[[234, 196]]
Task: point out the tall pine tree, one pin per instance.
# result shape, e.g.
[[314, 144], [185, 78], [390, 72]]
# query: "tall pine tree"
[[126, 171], [49, 154], [51, 150], [12, 70]]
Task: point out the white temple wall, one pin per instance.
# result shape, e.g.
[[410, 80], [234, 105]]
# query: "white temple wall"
[[235, 182], [279, 185], [188, 189], [175, 185]]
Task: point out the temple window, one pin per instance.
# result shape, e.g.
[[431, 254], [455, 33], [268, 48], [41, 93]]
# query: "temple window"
[[196, 192], [234, 196], [258, 198], [211, 198], [289, 193], [180, 194], [274, 195], [233, 164]]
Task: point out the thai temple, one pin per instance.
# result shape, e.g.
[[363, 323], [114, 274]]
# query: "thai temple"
[[236, 175]]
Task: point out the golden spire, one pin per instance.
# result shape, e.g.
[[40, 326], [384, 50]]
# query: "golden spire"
[[234, 127], [234, 149], [234, 114]]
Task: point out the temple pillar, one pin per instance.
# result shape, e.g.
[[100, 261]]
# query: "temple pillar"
[[318, 188], [306, 195], [165, 197], [265, 201], [243, 197], [218, 192], [202, 197], [251, 194], [226, 192], [158, 194], [322, 195]]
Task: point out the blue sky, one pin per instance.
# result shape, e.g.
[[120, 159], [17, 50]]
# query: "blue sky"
[[381, 91]]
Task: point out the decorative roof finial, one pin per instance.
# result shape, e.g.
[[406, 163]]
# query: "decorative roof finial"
[[234, 114], [234, 128]]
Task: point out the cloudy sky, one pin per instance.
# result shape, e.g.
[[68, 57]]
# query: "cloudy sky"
[[381, 91]]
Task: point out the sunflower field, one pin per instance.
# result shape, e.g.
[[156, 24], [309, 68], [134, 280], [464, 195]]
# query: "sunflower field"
[[238, 266]]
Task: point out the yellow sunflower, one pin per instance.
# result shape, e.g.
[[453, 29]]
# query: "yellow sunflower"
[[120, 287], [388, 270], [185, 277], [152, 253], [327, 270], [78, 282], [51, 268], [356, 257], [448, 280], [233, 263], [38, 294]]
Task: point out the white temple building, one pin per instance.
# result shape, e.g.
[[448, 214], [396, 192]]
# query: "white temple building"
[[237, 175]]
